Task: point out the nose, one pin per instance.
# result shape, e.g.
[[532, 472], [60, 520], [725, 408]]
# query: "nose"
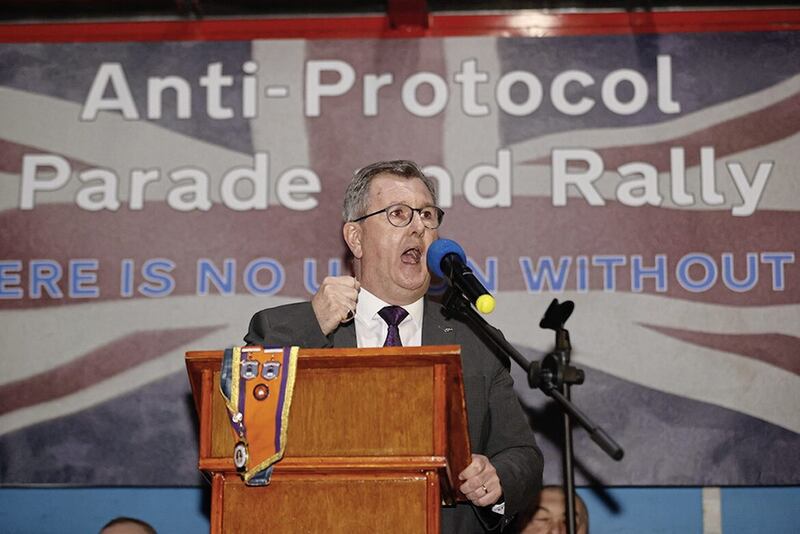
[[416, 222], [558, 528]]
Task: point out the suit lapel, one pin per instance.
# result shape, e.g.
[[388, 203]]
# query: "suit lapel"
[[435, 329]]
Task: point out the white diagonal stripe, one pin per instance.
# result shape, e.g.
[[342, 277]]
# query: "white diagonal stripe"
[[64, 338], [607, 335]]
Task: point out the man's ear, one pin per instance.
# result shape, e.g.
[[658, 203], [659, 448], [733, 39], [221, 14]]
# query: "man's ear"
[[352, 236]]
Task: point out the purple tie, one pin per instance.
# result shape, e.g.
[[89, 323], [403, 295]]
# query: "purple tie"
[[393, 315]]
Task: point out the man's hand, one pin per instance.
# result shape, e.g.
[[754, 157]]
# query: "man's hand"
[[335, 302], [481, 483]]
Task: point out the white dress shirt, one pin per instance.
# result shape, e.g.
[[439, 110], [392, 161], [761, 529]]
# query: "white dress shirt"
[[371, 329]]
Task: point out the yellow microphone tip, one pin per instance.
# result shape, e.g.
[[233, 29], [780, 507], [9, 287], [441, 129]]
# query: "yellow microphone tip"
[[485, 304]]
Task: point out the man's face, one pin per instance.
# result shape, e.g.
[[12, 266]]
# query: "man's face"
[[551, 516], [392, 259]]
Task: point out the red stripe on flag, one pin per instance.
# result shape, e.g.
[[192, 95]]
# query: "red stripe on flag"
[[779, 350], [533, 228], [11, 155], [752, 130]]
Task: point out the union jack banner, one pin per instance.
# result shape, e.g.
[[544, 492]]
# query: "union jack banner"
[[153, 196]]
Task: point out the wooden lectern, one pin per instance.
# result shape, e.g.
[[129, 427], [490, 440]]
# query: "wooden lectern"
[[375, 443]]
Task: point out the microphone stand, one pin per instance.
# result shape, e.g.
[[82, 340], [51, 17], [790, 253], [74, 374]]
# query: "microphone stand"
[[553, 376]]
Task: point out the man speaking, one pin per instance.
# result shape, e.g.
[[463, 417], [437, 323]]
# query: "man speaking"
[[391, 219]]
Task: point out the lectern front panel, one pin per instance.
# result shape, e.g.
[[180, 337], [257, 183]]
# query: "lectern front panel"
[[334, 414], [346, 505]]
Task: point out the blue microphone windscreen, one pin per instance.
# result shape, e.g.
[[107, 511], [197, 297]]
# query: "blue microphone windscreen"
[[438, 250]]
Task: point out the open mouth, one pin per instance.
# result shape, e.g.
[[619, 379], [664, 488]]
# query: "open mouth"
[[411, 255]]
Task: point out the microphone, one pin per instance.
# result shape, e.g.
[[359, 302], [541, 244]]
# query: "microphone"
[[446, 259]]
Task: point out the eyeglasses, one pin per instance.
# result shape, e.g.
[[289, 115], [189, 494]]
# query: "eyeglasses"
[[400, 215]]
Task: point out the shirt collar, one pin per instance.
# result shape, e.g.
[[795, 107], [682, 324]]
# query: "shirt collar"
[[369, 305]]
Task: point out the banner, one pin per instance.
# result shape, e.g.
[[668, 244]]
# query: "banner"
[[155, 195]]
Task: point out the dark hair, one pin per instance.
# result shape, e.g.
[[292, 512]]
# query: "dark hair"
[[123, 520], [355, 198], [524, 517]]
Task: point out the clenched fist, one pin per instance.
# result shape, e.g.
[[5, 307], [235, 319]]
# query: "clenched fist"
[[335, 302]]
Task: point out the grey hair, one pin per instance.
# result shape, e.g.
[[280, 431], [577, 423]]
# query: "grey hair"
[[356, 196]]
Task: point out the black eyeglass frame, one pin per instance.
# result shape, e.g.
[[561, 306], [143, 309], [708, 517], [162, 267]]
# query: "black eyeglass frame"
[[439, 212]]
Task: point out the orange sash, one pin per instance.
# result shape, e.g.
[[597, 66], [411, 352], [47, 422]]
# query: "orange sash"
[[257, 384]]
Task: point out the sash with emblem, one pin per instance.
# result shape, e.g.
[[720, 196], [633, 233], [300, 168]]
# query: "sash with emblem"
[[257, 385]]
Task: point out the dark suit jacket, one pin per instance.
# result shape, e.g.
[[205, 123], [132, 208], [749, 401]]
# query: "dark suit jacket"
[[498, 427]]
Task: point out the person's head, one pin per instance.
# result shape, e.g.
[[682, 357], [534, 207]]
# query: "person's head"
[[549, 514], [389, 246], [127, 525]]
